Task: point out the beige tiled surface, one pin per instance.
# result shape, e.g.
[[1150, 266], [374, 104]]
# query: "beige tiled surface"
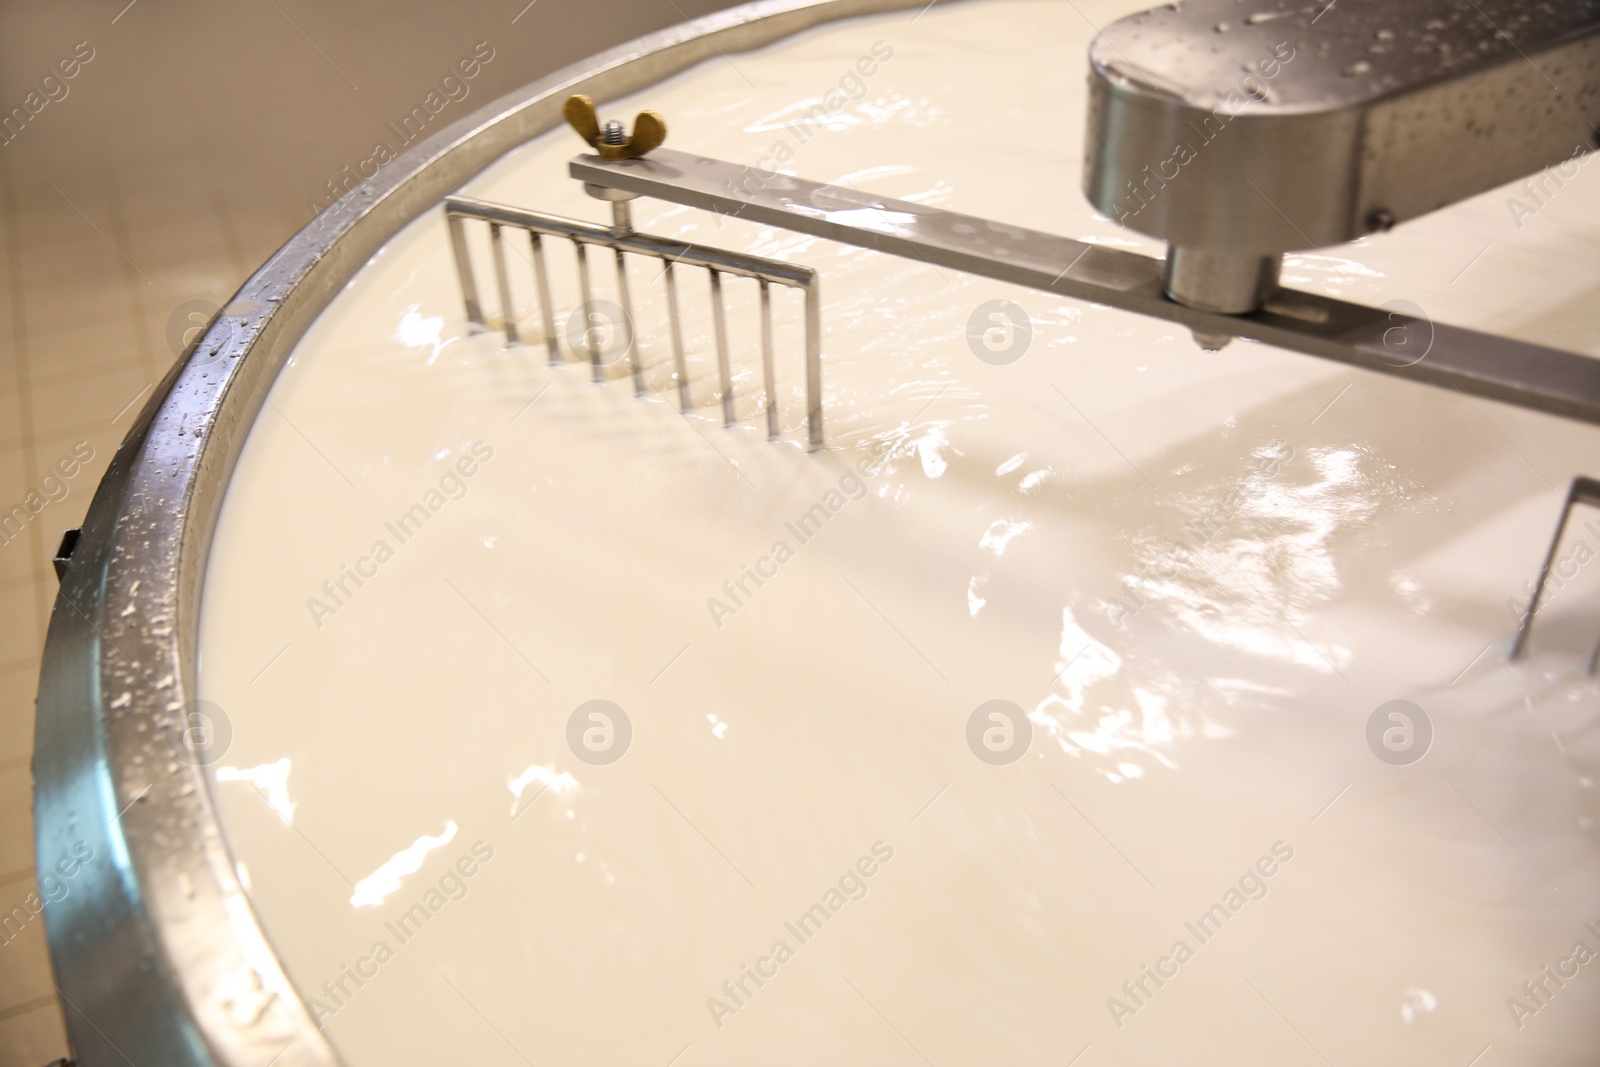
[[31, 1031], [16, 714], [20, 985], [15, 850], [185, 154]]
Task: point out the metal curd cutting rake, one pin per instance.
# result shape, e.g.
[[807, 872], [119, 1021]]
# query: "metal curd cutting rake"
[[621, 238]]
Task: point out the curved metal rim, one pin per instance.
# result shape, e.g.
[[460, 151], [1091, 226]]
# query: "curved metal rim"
[[158, 953]]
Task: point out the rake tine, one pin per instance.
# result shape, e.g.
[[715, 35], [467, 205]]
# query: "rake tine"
[[677, 339], [503, 282], [814, 363], [722, 347], [586, 308], [546, 305], [766, 361], [469, 288], [627, 323]]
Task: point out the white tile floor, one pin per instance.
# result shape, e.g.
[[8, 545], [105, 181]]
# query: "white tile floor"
[[82, 339], [183, 156]]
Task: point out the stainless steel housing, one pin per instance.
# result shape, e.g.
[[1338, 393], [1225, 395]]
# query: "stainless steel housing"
[[159, 955], [1246, 130]]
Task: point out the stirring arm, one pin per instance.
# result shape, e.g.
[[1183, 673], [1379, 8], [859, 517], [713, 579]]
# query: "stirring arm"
[[1404, 346]]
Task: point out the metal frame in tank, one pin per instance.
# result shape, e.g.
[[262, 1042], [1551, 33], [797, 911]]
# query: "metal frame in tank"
[[159, 955]]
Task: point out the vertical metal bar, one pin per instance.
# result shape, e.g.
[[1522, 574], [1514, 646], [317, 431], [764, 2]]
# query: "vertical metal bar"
[[547, 307], [814, 362], [621, 218], [1544, 573], [585, 307], [722, 347], [766, 360], [508, 314], [1582, 491], [469, 288], [627, 324], [677, 340]]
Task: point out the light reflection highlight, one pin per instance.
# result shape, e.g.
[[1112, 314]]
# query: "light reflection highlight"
[[272, 779], [545, 776], [375, 887]]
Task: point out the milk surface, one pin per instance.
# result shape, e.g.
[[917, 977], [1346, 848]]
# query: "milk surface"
[[795, 829]]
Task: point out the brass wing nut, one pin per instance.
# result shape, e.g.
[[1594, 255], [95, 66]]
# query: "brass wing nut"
[[649, 130]]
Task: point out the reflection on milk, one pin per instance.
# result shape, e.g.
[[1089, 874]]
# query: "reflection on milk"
[[1166, 590], [386, 879], [415, 331], [270, 779], [545, 778]]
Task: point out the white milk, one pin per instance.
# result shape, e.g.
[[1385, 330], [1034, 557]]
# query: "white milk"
[[1198, 694]]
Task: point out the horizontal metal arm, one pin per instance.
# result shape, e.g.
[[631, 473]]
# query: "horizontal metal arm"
[[1389, 342]]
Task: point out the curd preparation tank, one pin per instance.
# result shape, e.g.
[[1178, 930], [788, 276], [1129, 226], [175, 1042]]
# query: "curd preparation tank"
[[1090, 697]]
